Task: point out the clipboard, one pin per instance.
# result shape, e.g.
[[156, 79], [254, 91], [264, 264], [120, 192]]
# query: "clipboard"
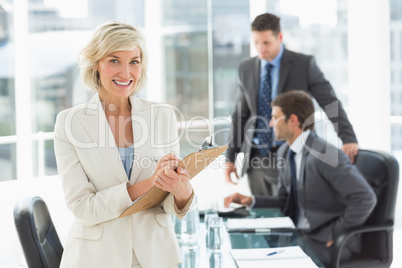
[[194, 163]]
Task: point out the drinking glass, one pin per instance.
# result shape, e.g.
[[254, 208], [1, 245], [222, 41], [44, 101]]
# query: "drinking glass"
[[215, 234], [188, 230], [211, 210]]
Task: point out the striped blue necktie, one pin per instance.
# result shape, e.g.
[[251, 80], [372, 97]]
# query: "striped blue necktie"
[[263, 131]]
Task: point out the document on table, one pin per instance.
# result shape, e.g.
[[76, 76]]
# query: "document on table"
[[272, 257], [259, 224]]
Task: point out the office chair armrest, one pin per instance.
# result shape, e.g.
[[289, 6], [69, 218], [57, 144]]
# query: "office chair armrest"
[[341, 240]]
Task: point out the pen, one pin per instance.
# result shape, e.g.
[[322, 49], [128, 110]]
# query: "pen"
[[154, 159], [275, 252], [207, 144]]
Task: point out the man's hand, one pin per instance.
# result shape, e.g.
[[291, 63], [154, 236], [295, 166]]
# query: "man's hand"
[[351, 149], [230, 168], [329, 243], [238, 199]]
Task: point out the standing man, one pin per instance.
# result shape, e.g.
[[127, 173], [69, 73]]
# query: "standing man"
[[275, 70], [323, 193]]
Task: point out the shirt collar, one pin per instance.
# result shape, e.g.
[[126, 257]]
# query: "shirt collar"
[[276, 61], [298, 144]]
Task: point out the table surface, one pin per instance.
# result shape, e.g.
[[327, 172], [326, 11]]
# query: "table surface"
[[197, 255]]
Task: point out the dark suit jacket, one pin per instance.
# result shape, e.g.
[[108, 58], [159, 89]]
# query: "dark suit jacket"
[[333, 193], [298, 71]]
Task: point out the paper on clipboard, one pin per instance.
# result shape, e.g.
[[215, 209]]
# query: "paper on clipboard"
[[194, 163]]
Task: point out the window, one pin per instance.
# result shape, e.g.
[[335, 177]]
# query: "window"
[[396, 72], [7, 96], [201, 44]]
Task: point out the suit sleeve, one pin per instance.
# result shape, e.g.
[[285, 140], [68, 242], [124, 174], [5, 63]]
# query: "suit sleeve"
[[86, 203], [350, 184], [239, 119], [323, 92], [278, 201]]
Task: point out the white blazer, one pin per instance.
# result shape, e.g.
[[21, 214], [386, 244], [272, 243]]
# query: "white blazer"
[[94, 183]]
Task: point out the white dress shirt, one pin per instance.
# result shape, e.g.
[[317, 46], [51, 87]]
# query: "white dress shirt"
[[297, 147]]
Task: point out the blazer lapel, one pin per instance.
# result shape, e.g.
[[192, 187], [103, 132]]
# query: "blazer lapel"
[[95, 123], [289, 209], [303, 177], [287, 175], [305, 153], [286, 63], [255, 87], [141, 126]]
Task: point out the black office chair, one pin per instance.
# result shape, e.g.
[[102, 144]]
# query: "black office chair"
[[38, 237], [381, 170]]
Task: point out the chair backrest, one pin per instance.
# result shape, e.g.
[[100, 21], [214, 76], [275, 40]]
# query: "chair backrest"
[[381, 170], [38, 237]]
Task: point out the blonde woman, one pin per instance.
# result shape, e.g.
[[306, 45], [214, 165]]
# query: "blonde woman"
[[105, 151]]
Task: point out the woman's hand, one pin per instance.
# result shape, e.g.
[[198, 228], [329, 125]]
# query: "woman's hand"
[[138, 189], [168, 161], [177, 183]]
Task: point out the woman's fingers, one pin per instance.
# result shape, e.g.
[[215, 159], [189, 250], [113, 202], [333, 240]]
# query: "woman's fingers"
[[169, 157], [159, 182], [169, 160], [172, 181], [170, 164], [179, 175]]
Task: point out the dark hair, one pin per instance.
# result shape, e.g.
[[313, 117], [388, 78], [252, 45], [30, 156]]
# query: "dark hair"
[[299, 103], [266, 22]]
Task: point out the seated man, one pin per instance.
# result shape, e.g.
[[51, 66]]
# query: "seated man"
[[332, 196]]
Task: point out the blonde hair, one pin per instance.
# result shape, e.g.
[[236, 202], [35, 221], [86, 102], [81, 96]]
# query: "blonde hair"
[[107, 38]]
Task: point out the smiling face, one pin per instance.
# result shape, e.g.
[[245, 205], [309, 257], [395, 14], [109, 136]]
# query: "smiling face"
[[119, 73], [267, 44]]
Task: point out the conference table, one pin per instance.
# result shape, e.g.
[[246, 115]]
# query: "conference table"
[[197, 255]]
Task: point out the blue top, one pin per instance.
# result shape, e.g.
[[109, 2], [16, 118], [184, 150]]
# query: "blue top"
[[127, 157]]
